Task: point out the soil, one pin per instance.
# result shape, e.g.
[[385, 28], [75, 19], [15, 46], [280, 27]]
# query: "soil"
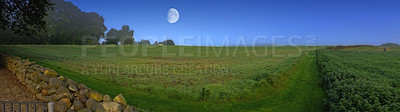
[[13, 90]]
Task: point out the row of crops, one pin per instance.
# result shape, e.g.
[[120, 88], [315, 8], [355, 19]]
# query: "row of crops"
[[360, 80]]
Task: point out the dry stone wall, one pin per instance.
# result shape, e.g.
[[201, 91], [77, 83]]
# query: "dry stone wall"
[[67, 95]]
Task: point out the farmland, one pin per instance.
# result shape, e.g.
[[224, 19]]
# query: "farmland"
[[361, 79], [200, 55], [162, 77], [372, 48], [281, 78]]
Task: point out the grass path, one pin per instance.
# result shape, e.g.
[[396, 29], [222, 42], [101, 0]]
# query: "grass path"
[[303, 92]]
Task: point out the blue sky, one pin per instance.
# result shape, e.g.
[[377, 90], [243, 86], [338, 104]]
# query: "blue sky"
[[330, 22]]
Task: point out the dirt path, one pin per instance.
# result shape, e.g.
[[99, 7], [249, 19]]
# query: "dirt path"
[[12, 89]]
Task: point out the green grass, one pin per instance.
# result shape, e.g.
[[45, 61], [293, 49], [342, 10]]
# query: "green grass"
[[361, 80], [302, 93], [249, 82]]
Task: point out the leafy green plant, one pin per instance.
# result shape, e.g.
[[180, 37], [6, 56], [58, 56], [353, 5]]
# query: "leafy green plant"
[[360, 80], [204, 94]]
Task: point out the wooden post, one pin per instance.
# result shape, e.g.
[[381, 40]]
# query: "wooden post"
[[50, 106]]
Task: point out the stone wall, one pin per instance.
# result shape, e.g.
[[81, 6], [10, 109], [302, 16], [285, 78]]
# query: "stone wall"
[[67, 95]]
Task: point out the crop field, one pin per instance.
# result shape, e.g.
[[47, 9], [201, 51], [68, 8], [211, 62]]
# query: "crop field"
[[173, 77], [371, 48], [361, 79]]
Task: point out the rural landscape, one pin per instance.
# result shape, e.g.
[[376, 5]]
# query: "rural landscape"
[[145, 56]]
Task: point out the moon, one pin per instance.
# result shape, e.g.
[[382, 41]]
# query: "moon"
[[173, 15]]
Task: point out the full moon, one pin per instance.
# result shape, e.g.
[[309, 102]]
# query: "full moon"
[[173, 15]]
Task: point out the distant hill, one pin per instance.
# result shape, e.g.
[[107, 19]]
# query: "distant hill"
[[390, 45]]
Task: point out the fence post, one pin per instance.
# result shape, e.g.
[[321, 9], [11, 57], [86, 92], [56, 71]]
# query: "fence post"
[[50, 106]]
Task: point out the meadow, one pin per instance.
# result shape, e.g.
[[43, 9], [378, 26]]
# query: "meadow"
[[161, 77], [361, 79], [197, 78]]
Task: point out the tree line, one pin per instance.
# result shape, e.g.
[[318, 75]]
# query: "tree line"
[[58, 22], [124, 36]]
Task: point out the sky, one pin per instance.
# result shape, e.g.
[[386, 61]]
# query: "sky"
[[254, 22]]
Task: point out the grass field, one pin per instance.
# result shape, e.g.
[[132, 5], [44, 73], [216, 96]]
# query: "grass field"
[[187, 78]]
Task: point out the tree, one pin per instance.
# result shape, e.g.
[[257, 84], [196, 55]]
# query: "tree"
[[24, 17], [111, 36], [127, 40], [155, 43], [168, 42], [136, 43], [122, 36], [125, 33], [67, 24], [144, 42]]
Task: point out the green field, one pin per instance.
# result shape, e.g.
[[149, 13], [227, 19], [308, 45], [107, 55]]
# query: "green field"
[[188, 78], [200, 55], [369, 48], [196, 78], [361, 79]]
